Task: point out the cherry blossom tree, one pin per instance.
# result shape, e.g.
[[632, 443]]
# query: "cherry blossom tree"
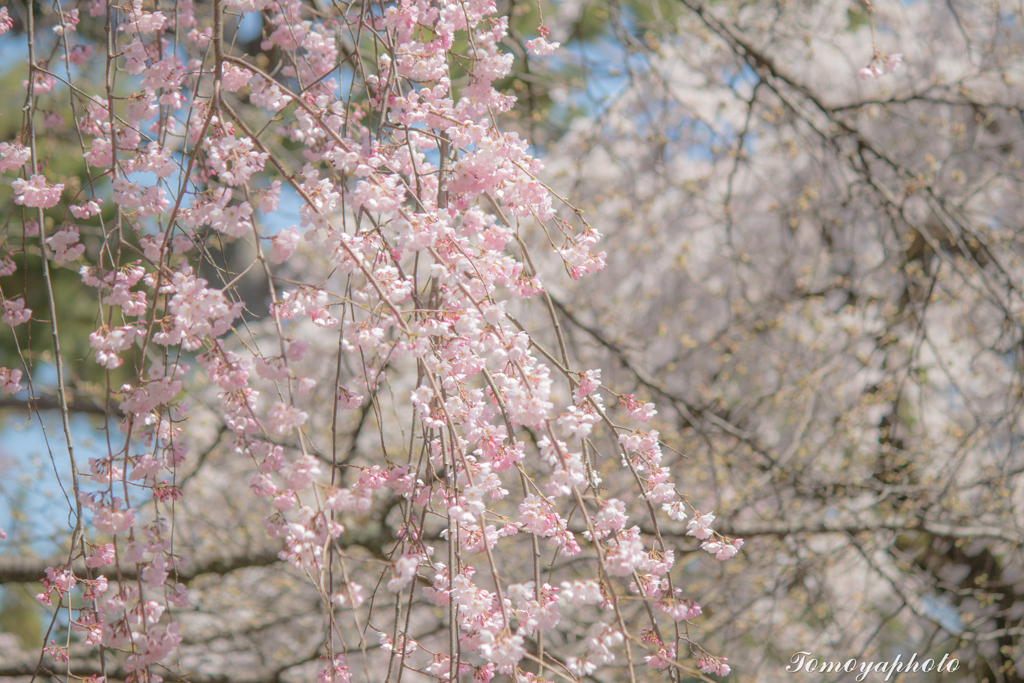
[[387, 384], [414, 357]]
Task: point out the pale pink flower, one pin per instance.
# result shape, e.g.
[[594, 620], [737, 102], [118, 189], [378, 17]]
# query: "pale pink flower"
[[611, 517], [69, 22], [675, 510], [142, 107], [108, 343], [503, 650], [336, 673], [306, 385], [484, 674], [65, 244], [267, 94], [714, 665], [99, 585], [540, 47], [10, 381], [869, 72], [577, 422], [87, 210], [625, 556], [233, 221], [270, 197], [80, 54], [637, 410], [679, 610], [234, 160], [348, 400], [235, 77], [587, 592], [178, 596], [113, 521], [35, 192], [15, 312], [142, 22], [589, 383], [283, 418], [700, 526], [104, 555], [302, 473], [881, 65], [42, 82], [200, 38], [6, 23], [723, 550], [663, 659], [262, 485], [350, 594], [13, 155], [404, 570], [62, 579], [283, 245], [273, 369], [146, 467]]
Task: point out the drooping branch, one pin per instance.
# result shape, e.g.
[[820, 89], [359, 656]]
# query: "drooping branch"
[[30, 667], [902, 523], [14, 569], [75, 405]]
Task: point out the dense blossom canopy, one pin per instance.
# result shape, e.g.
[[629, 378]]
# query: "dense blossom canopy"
[[412, 209]]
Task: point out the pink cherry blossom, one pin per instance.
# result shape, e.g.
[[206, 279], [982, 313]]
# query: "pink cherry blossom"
[[15, 312], [700, 525], [501, 649], [65, 244], [540, 47], [675, 510], [880, 65], [416, 209], [723, 550], [13, 155], [302, 473], [68, 23], [283, 245], [35, 192], [404, 570], [110, 520], [283, 419], [10, 381], [679, 610], [714, 665], [663, 659], [109, 343], [86, 210], [104, 555], [80, 54]]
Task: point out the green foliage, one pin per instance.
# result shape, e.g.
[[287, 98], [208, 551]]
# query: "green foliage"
[[20, 616], [857, 17]]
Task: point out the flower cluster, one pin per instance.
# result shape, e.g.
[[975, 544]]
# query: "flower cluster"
[[881, 64], [36, 192]]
